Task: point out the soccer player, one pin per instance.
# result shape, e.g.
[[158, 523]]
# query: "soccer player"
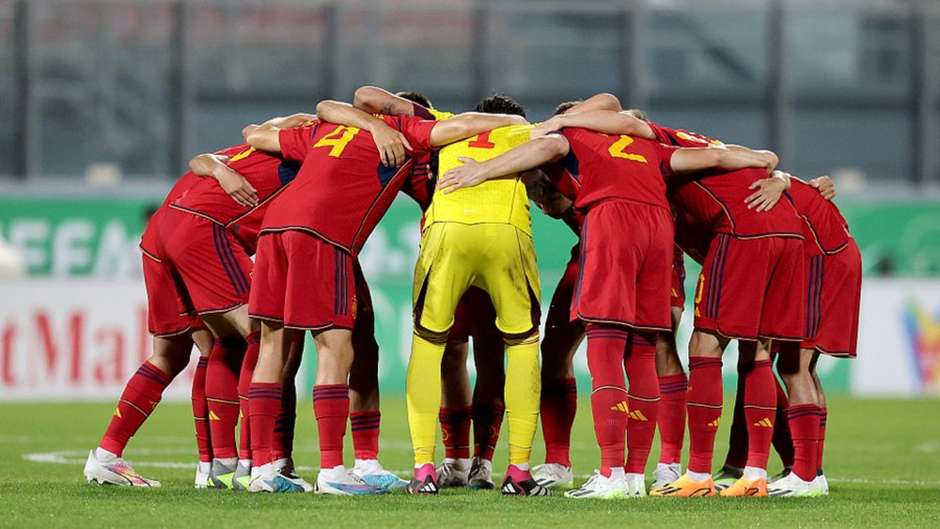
[[623, 290], [308, 243], [745, 292], [475, 316], [183, 278], [833, 287]]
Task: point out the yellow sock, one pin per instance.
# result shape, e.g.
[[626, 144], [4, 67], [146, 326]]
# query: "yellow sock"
[[522, 394], [424, 396]]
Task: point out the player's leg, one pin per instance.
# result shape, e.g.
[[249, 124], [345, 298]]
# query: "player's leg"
[[673, 386], [282, 445], [364, 415], [243, 469], [507, 271], [441, 278], [559, 389], [204, 341], [489, 404], [456, 412], [760, 409], [821, 482], [643, 404]]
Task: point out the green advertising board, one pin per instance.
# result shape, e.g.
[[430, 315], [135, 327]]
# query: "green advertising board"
[[87, 237]]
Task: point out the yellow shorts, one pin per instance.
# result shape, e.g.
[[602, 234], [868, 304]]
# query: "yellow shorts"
[[498, 258]]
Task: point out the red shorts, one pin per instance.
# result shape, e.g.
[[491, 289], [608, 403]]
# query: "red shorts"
[[833, 297], [752, 288], [303, 281], [626, 266], [475, 316], [191, 266]]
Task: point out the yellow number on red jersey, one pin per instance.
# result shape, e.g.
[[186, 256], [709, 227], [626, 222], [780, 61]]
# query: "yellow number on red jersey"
[[242, 155], [337, 140], [617, 150]]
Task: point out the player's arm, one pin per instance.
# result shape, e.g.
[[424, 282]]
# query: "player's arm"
[[606, 121], [691, 160], [375, 100], [390, 143], [768, 191], [602, 101], [265, 137], [531, 154], [230, 180], [469, 124], [294, 120]]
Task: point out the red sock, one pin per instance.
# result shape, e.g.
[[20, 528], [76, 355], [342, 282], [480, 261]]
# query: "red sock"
[[671, 421], [487, 420], [455, 429], [244, 381], [201, 411], [804, 426], [782, 441], [704, 410], [264, 404], [365, 433], [558, 407], [823, 417], [222, 394], [606, 345], [331, 407], [760, 409], [141, 395], [283, 441], [643, 400]]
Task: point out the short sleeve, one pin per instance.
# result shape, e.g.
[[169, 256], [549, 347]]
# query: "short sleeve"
[[664, 153], [421, 112], [296, 142], [416, 130]]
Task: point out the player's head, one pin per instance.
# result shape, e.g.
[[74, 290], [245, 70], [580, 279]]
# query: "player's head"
[[500, 104], [543, 192], [637, 113], [565, 107], [416, 97]]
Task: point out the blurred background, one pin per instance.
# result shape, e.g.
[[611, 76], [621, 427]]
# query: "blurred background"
[[102, 103]]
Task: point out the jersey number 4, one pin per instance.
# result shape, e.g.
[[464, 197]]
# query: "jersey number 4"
[[337, 140], [617, 150]]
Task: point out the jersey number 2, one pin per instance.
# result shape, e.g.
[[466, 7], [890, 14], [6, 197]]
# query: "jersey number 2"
[[617, 150], [337, 140]]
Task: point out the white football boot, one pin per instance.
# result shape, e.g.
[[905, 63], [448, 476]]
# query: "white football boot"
[[665, 474], [599, 486], [202, 475], [481, 474], [553, 475], [454, 472], [339, 481], [636, 485], [114, 471], [374, 474], [793, 486]]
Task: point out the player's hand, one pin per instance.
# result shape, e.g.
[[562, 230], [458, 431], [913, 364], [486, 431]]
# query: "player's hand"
[[391, 145], [825, 186], [469, 174], [546, 127], [237, 187], [769, 191]]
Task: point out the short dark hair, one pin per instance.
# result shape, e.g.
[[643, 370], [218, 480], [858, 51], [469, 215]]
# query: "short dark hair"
[[500, 104], [565, 107], [416, 97], [639, 114]]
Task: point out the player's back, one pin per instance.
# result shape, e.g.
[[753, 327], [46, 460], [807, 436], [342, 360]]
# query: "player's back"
[[827, 229], [342, 189], [499, 201], [717, 198], [616, 166]]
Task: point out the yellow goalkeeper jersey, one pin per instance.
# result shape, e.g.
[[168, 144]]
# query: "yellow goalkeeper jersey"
[[497, 201]]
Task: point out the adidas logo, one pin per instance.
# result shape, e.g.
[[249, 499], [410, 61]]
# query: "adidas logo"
[[117, 413], [621, 406], [765, 423], [637, 415], [213, 416], [714, 424], [508, 488]]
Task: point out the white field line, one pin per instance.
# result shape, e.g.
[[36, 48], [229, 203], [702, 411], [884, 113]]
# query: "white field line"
[[77, 457]]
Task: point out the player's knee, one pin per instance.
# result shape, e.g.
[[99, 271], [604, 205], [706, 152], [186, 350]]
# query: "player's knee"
[[428, 335], [528, 337]]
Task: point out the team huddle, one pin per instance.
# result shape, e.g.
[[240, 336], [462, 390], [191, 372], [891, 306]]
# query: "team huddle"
[[780, 274]]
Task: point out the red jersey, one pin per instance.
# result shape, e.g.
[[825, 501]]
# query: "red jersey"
[[183, 184], [267, 173], [611, 166], [716, 198], [827, 232], [342, 189]]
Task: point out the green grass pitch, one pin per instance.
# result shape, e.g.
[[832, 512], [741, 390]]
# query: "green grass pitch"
[[883, 461]]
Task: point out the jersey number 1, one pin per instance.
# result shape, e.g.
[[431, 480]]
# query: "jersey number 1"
[[617, 150], [481, 141], [337, 140]]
